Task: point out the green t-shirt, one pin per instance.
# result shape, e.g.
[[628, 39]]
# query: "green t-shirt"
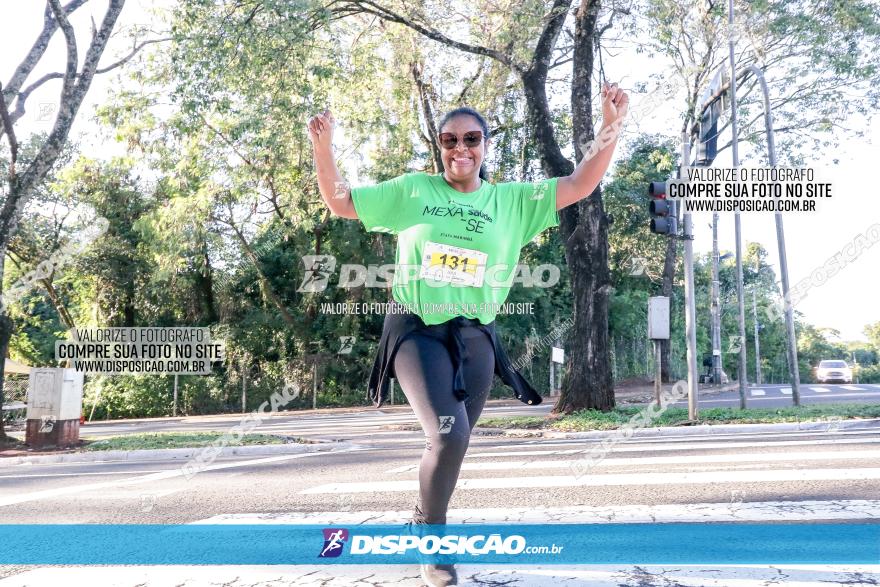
[[457, 252]]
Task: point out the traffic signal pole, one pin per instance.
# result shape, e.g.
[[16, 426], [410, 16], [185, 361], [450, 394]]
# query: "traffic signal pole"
[[737, 224]]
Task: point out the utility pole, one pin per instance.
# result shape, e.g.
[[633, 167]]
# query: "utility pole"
[[690, 316], [794, 374], [737, 223], [757, 329], [716, 307], [243, 386]]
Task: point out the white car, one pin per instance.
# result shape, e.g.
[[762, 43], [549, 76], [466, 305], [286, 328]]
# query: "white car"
[[833, 371]]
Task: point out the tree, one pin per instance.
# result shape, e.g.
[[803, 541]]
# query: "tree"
[[872, 331], [808, 51], [526, 44], [24, 176]]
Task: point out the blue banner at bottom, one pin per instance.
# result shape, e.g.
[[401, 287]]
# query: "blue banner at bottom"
[[277, 544]]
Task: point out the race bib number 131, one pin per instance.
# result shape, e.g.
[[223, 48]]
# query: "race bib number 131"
[[454, 265]]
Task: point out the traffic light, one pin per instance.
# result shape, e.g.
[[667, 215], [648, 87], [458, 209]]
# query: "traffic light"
[[663, 218]]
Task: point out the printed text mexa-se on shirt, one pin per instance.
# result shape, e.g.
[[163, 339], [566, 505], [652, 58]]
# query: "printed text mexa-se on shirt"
[[455, 250]]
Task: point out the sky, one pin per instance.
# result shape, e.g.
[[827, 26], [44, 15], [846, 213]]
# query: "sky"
[[847, 302]]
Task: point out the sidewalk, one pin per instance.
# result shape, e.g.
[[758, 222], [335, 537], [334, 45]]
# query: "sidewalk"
[[408, 575]]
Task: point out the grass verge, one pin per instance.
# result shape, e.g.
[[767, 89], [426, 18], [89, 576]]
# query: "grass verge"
[[184, 440], [586, 420], [10, 442]]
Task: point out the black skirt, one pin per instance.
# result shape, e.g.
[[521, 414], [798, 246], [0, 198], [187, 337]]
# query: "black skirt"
[[398, 325]]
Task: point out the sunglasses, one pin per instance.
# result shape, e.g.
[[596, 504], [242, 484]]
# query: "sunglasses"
[[450, 140]]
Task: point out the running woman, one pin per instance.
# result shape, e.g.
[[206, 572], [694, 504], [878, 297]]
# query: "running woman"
[[458, 240]]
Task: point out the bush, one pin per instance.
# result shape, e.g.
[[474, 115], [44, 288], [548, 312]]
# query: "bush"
[[151, 396], [870, 374]]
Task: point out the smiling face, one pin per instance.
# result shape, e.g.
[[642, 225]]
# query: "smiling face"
[[462, 164]]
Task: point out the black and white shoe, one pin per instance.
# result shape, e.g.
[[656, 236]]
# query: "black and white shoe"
[[439, 575]]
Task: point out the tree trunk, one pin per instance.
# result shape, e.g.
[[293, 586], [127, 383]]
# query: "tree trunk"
[[265, 285], [128, 308], [585, 229], [206, 285], [58, 303], [5, 335], [424, 94]]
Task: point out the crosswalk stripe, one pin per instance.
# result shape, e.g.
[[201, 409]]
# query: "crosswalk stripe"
[[757, 392], [674, 447], [7, 500], [785, 391], [684, 460], [856, 509], [820, 389], [852, 388], [678, 478], [871, 430]]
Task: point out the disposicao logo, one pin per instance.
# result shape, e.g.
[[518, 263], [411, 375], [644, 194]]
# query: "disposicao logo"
[[433, 544], [334, 541]]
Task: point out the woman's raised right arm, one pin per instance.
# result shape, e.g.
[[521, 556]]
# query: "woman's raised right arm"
[[333, 187]]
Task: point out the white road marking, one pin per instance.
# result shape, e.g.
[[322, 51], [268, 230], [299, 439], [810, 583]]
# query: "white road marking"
[[785, 391], [770, 398], [682, 460], [74, 474], [710, 436], [820, 389], [757, 392], [679, 478], [176, 472], [852, 388], [670, 447]]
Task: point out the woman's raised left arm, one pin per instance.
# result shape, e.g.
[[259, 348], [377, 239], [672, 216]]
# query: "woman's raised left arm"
[[592, 167]]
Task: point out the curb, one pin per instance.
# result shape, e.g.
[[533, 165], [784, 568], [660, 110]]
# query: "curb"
[[702, 429], [172, 453]]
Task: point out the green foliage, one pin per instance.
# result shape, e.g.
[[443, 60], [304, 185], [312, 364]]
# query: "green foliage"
[[636, 257], [216, 202], [134, 396], [184, 440], [872, 331], [808, 50]]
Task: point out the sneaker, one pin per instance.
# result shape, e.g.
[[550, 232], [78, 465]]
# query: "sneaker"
[[439, 575], [433, 575]]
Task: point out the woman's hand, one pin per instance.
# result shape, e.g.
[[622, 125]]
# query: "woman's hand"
[[334, 189], [597, 156], [615, 103], [321, 130]]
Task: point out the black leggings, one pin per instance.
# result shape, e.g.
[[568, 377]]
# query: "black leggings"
[[424, 370]]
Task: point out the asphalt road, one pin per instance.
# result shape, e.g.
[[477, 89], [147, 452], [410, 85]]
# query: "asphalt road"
[[364, 424], [770, 476], [779, 395]]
